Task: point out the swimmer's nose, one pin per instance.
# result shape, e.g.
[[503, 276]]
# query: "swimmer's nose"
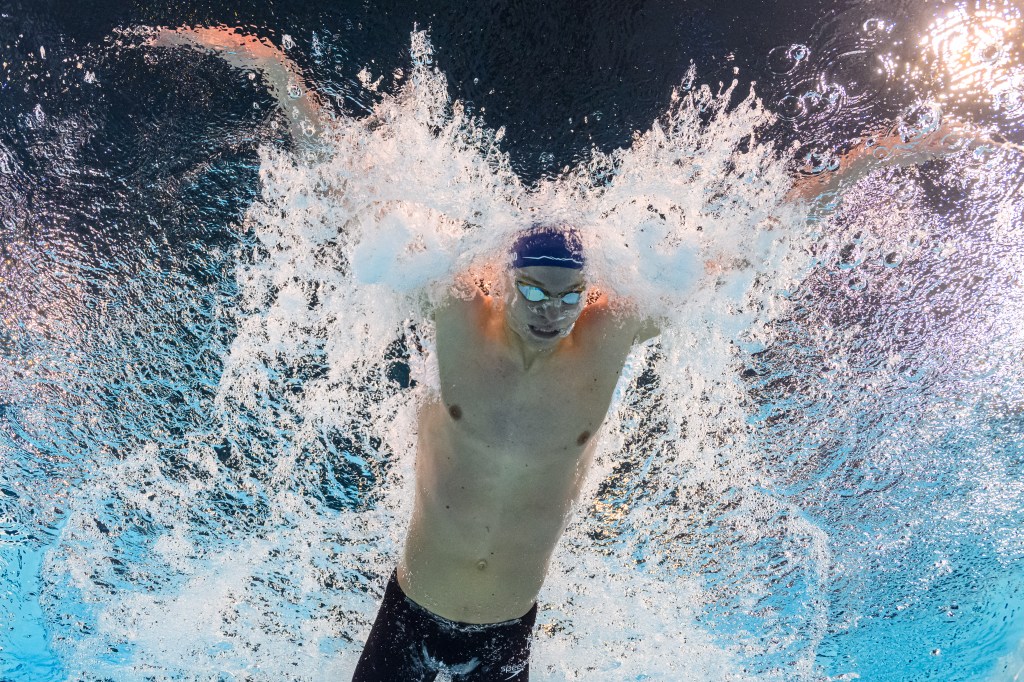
[[554, 311]]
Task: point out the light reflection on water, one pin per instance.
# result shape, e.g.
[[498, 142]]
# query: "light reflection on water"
[[206, 507]]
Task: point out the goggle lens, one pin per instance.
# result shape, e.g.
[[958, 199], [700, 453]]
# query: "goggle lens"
[[536, 294], [532, 294]]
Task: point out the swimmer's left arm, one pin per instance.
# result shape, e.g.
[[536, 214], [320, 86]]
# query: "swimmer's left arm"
[[891, 148]]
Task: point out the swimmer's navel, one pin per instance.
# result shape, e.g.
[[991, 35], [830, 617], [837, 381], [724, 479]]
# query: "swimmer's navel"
[[455, 411], [583, 438], [481, 565]]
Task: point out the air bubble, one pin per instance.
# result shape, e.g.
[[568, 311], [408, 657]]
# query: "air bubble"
[[990, 53], [920, 120], [799, 52], [824, 102], [893, 259], [1010, 96], [792, 107], [850, 257], [876, 25], [785, 58], [287, 42]]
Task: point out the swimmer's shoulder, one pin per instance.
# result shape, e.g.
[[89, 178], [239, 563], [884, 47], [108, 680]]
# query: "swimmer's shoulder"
[[467, 299]]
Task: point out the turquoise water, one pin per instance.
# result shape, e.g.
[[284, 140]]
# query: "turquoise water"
[[213, 348]]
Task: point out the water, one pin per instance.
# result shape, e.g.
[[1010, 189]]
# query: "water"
[[214, 346]]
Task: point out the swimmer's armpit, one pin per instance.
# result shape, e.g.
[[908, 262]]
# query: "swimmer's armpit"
[[302, 106]]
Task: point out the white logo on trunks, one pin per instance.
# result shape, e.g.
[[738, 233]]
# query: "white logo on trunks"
[[513, 669]]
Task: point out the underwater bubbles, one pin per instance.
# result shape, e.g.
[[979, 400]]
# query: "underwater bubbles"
[[825, 101], [877, 26], [785, 59], [813, 107], [893, 259], [816, 158], [791, 107], [1008, 96], [857, 283], [919, 120]]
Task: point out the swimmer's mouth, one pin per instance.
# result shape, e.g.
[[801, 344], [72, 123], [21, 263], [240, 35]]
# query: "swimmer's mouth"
[[544, 333]]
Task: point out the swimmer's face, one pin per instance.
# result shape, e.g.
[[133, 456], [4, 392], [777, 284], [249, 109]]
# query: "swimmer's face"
[[544, 323]]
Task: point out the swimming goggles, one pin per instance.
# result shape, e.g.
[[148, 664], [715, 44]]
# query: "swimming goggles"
[[537, 295]]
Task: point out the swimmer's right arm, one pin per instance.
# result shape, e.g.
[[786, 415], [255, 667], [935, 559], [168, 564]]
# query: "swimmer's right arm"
[[285, 81]]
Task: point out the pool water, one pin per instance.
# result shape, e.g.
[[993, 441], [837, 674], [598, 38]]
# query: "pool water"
[[213, 341]]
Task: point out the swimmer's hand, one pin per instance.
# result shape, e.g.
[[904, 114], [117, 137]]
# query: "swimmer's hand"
[[252, 53]]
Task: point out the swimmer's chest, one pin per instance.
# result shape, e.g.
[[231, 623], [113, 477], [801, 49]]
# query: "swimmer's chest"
[[557, 403]]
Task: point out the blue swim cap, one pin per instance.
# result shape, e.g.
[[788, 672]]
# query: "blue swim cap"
[[558, 247]]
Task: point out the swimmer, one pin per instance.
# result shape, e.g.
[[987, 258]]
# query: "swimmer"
[[501, 457], [502, 453], [526, 381]]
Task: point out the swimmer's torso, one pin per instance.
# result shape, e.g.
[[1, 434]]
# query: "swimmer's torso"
[[501, 457]]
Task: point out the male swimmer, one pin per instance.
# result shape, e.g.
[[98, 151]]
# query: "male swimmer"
[[525, 383], [503, 451]]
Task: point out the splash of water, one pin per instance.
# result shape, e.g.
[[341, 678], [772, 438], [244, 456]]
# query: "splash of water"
[[267, 553]]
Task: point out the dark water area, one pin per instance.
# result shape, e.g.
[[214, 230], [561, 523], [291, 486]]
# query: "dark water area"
[[562, 79]]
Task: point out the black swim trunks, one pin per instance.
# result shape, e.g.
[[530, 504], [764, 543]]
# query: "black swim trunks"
[[410, 644]]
